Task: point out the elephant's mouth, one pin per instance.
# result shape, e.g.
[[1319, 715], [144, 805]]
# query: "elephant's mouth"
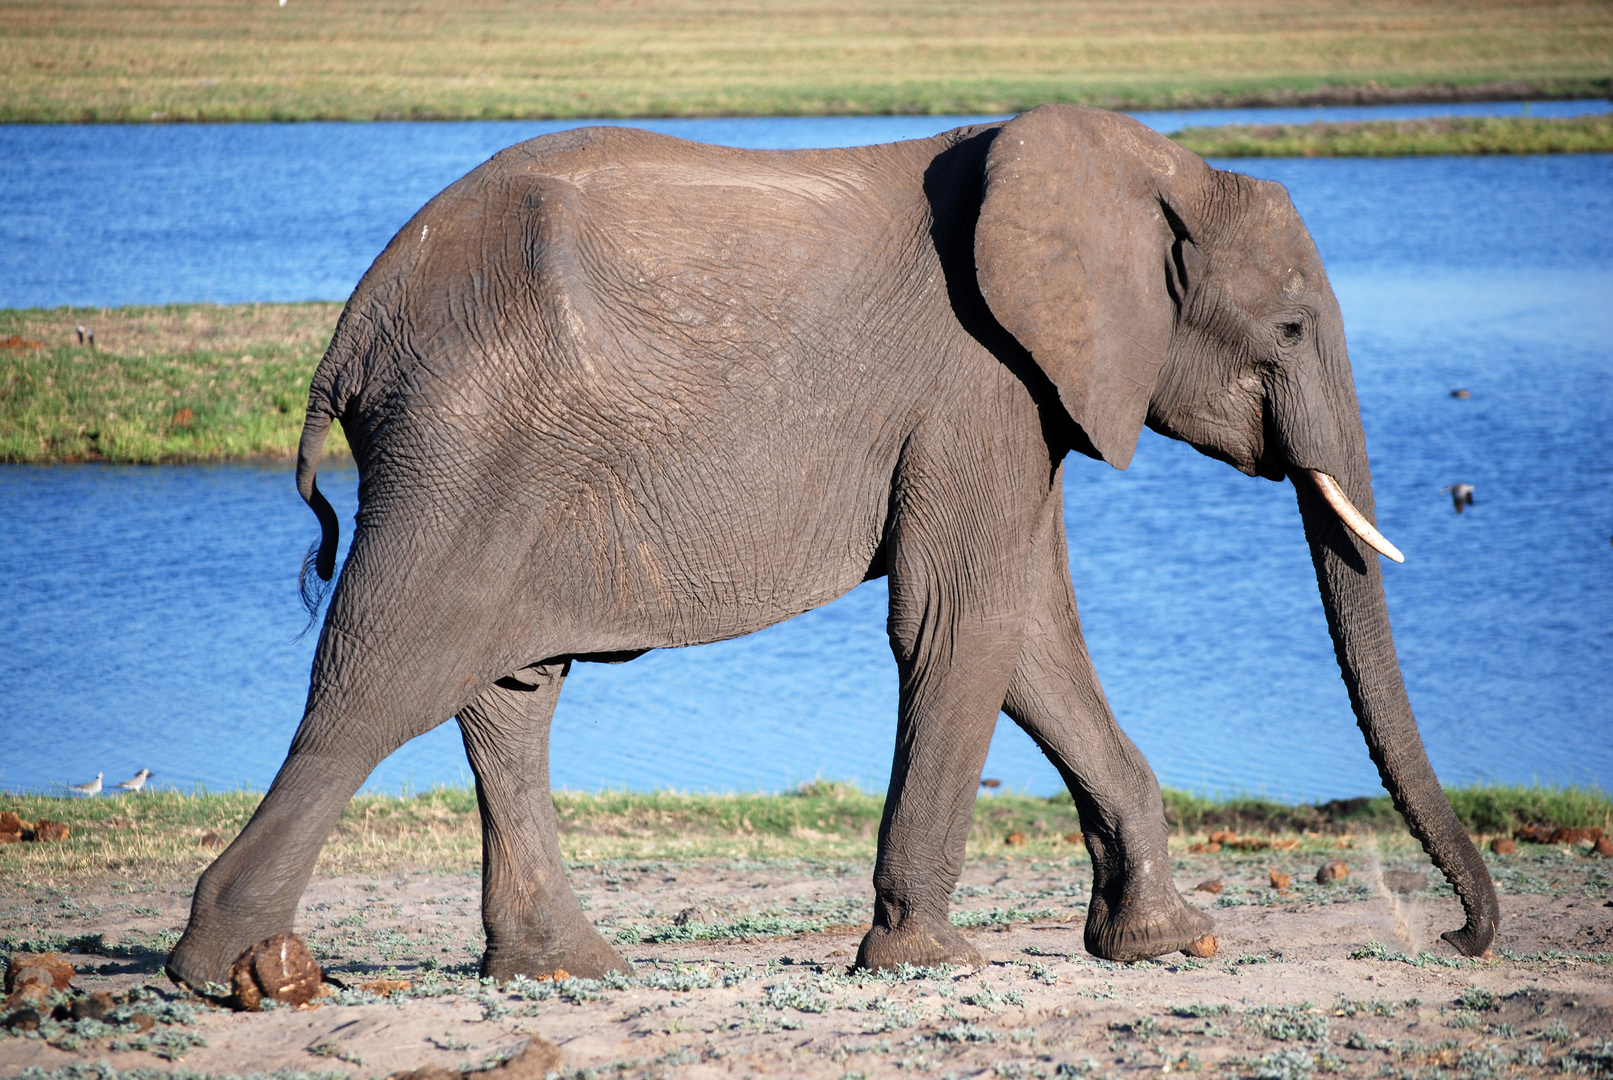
[[1353, 518]]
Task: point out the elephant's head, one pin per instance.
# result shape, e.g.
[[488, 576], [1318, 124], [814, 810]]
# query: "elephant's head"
[[1149, 287]]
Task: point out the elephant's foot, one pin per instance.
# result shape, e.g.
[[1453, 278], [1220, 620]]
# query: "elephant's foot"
[[1138, 930], [204, 955], [921, 943], [581, 954]]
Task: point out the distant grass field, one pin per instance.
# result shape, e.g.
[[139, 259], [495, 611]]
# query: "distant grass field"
[[185, 382], [159, 834], [167, 60], [1402, 138]]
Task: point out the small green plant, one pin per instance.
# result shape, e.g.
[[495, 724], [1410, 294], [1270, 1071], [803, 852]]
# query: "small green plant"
[[1289, 1063], [968, 1033], [1290, 1023], [1372, 950]]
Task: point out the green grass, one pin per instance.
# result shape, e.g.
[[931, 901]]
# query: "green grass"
[[158, 834], [165, 60], [185, 382], [1442, 135]]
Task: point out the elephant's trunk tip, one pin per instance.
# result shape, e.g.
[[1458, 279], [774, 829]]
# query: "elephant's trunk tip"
[[1353, 518]]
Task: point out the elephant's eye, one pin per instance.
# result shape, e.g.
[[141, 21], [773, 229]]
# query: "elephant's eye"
[[1291, 332]]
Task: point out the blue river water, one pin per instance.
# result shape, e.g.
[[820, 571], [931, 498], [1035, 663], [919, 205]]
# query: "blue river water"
[[151, 617]]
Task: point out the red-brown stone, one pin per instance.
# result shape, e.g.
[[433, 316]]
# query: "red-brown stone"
[[37, 969], [280, 968], [1332, 871], [46, 829]]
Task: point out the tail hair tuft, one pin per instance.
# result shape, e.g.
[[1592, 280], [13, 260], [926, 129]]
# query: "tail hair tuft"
[[312, 588]]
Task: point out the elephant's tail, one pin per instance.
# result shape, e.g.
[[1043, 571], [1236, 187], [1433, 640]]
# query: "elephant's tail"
[[321, 556]]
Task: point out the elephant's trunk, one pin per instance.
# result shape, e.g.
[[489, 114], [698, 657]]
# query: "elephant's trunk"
[[1351, 583]]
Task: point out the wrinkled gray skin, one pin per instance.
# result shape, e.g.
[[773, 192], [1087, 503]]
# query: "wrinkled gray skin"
[[613, 392]]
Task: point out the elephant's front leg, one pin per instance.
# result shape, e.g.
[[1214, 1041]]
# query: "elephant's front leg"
[[533, 921], [957, 595], [1136, 911]]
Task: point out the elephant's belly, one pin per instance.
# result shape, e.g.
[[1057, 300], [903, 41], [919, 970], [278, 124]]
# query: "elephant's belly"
[[697, 556]]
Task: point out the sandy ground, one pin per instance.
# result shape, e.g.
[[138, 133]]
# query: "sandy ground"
[[1298, 988]]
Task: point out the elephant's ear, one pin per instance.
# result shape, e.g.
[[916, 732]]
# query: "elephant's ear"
[[1072, 251]]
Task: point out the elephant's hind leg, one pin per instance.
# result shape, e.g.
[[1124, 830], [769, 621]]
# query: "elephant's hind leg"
[[533, 921], [1136, 911]]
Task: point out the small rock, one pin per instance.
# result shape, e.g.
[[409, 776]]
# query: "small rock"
[[689, 915], [536, 1060], [1212, 886], [1332, 871], [1075, 838], [94, 1007], [46, 829], [1280, 882], [281, 968], [1604, 848], [23, 1019], [1205, 849], [385, 987], [1221, 836], [991, 782], [211, 839], [557, 975], [1405, 881], [1015, 839], [37, 969], [1205, 947], [1535, 834], [143, 1021], [1503, 846], [533, 1062]]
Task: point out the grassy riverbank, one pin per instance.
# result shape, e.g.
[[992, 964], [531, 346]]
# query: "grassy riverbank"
[[97, 60], [162, 832], [1404, 138], [184, 382]]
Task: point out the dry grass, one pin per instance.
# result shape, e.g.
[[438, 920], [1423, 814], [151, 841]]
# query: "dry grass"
[[342, 59], [1442, 135], [192, 382], [158, 835]]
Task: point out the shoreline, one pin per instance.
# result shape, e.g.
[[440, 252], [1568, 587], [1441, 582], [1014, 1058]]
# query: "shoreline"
[[1276, 95], [439, 829]]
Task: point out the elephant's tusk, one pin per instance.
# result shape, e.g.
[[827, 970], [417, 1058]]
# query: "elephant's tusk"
[[1345, 509]]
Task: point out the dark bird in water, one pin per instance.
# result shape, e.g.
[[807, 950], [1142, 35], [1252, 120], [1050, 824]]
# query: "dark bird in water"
[[1461, 394], [1461, 495]]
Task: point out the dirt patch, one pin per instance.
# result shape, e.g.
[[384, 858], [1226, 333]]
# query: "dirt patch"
[[743, 969]]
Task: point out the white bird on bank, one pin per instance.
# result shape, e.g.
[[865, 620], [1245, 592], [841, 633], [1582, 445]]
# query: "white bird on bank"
[[136, 782], [91, 788]]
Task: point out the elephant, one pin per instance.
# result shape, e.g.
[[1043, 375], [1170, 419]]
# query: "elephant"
[[613, 391]]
